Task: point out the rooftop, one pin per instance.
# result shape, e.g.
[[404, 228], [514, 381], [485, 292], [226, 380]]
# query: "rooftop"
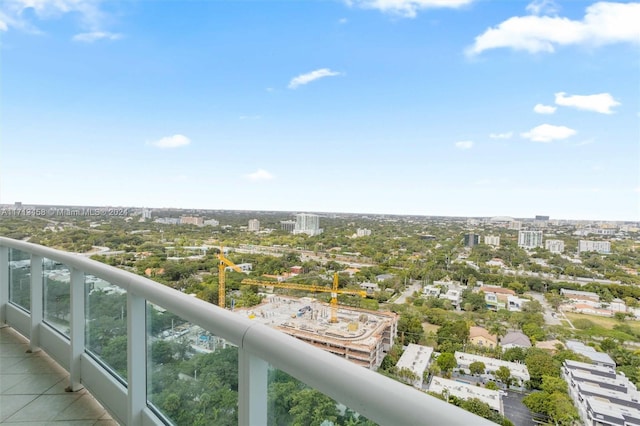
[[517, 370], [466, 391], [416, 358], [359, 335], [589, 352], [516, 338]]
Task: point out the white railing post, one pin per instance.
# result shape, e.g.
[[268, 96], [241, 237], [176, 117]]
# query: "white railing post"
[[252, 389], [4, 284], [37, 284], [136, 357], [77, 328]]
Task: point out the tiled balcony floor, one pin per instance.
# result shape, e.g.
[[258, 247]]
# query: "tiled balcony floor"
[[32, 389]]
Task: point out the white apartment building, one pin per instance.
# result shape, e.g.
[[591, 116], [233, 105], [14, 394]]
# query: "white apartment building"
[[554, 246], [288, 225], [492, 240], [602, 396], [307, 224], [211, 222], [363, 232], [416, 358], [464, 390], [254, 225], [603, 247], [518, 371], [530, 239]]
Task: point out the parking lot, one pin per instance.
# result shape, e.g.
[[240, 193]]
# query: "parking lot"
[[515, 410]]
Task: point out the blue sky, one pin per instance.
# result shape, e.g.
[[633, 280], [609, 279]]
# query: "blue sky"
[[433, 107]]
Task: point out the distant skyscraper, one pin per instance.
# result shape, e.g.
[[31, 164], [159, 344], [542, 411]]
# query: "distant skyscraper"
[[554, 246], [603, 247], [191, 220], [516, 224], [254, 225], [530, 239], [471, 240], [492, 240], [307, 224], [288, 225]]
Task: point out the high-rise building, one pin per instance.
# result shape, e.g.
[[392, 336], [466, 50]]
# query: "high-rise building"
[[288, 225], [516, 224], [307, 224], [492, 240], [529, 239], [471, 240], [603, 247], [211, 222], [554, 246], [191, 220], [363, 232], [254, 225]]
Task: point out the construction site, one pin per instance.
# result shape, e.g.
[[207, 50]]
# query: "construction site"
[[359, 335]]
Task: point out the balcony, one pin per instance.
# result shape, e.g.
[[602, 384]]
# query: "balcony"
[[151, 355]]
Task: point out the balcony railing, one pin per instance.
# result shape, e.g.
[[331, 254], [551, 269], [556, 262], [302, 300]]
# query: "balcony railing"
[[117, 334]]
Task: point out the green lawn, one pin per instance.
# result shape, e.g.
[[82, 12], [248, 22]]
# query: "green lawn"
[[428, 327], [603, 322]]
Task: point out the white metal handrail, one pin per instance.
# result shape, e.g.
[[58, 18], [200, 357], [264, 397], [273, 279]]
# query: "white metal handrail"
[[375, 396]]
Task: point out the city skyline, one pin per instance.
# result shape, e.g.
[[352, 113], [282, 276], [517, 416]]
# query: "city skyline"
[[412, 107]]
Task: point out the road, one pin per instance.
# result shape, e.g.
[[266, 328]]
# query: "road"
[[550, 316], [413, 287], [515, 410]]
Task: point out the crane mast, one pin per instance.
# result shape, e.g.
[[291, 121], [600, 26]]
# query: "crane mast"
[[222, 266]]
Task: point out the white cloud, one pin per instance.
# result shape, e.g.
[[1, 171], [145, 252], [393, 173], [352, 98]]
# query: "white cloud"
[[175, 141], [548, 133], [542, 7], [544, 109], [96, 35], [506, 135], [343, 21], [602, 102], [585, 142], [603, 23], [3, 25], [259, 175], [303, 79], [464, 144], [14, 13], [406, 8]]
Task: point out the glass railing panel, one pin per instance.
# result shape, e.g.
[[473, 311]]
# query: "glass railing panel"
[[20, 278], [57, 295], [106, 325], [192, 375], [292, 402]]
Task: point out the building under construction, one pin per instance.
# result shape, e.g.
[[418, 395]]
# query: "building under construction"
[[361, 336]]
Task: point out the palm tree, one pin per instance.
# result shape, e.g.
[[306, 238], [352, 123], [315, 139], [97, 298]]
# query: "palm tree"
[[498, 329]]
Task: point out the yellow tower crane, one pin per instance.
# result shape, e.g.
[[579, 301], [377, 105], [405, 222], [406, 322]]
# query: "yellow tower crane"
[[222, 266], [334, 291]]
